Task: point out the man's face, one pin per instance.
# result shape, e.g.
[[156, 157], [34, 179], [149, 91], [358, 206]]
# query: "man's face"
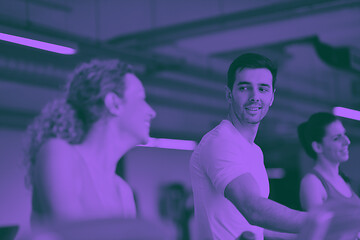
[[137, 113], [252, 95], [335, 144]]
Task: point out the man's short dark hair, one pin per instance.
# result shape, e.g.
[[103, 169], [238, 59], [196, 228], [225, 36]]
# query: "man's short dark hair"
[[250, 60]]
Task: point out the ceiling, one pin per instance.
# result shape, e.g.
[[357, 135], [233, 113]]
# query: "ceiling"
[[181, 50]]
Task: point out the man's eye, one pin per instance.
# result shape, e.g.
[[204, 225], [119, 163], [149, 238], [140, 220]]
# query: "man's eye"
[[242, 88], [263, 90]]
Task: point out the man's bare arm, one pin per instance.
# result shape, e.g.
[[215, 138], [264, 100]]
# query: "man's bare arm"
[[244, 193], [273, 235]]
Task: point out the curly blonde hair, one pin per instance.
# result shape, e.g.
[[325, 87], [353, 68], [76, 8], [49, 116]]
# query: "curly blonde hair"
[[71, 117]]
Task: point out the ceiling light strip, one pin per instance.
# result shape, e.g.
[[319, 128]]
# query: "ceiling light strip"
[[170, 144], [346, 113], [37, 44]]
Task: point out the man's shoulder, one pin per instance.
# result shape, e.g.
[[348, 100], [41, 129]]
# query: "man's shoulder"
[[258, 149], [212, 141], [219, 141], [223, 132]]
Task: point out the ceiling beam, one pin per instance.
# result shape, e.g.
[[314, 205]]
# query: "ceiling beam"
[[49, 4], [245, 18], [88, 49]]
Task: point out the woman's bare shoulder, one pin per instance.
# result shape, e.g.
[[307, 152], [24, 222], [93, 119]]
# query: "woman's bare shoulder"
[[310, 180], [312, 191], [56, 153], [57, 177], [310, 177], [57, 145]]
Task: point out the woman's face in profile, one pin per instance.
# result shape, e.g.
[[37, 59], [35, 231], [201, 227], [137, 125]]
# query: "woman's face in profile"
[[137, 113], [335, 143]]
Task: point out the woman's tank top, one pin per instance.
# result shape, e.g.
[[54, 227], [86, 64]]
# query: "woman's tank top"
[[332, 193]]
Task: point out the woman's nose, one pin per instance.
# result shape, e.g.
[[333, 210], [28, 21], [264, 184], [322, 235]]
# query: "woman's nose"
[[152, 112], [347, 140]]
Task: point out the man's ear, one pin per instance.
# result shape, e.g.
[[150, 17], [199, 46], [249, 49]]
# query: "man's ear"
[[228, 94], [272, 97], [316, 147], [113, 103]]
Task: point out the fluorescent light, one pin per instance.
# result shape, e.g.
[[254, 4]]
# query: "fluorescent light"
[[170, 144], [275, 173], [346, 113], [37, 44]]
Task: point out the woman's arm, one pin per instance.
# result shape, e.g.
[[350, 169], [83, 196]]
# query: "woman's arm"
[[57, 181], [312, 192]]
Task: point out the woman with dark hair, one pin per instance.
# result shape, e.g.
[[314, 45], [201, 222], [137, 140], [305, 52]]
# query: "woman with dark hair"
[[324, 139], [76, 142]]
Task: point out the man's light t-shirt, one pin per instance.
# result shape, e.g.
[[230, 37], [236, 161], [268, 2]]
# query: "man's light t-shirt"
[[222, 155]]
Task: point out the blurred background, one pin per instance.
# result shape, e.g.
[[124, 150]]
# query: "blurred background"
[[181, 51]]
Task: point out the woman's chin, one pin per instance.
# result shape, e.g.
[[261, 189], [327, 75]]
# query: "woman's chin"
[[145, 140]]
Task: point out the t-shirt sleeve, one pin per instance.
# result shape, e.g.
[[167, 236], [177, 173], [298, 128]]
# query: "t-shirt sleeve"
[[224, 161]]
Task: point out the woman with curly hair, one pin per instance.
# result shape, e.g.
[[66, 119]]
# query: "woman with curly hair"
[[324, 139], [76, 142]]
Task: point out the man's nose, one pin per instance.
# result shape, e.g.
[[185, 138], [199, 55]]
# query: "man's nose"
[[254, 97]]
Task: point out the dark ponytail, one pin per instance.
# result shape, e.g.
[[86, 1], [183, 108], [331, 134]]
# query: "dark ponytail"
[[305, 139], [314, 130]]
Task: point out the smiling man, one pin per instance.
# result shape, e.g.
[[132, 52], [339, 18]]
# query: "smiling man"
[[229, 179]]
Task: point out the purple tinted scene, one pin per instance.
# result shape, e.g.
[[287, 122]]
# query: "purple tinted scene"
[[180, 119]]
